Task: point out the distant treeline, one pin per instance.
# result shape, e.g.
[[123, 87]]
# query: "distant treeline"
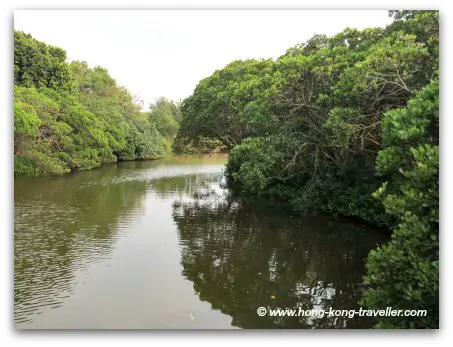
[[68, 116], [347, 124]]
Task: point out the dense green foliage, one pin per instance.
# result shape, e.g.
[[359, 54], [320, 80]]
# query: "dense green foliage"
[[199, 145], [39, 65], [228, 107], [309, 128], [405, 272], [71, 117], [347, 124], [306, 127], [166, 115]]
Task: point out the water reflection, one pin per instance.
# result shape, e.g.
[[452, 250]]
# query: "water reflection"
[[240, 257], [61, 225], [155, 244], [65, 225]]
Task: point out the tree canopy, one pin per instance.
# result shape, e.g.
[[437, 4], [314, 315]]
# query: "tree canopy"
[[347, 124], [329, 123], [166, 116], [68, 116]]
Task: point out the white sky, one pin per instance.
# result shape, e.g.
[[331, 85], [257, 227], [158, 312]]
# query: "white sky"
[[166, 52]]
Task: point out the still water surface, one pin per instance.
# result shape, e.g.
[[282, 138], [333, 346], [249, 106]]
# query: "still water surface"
[[163, 244]]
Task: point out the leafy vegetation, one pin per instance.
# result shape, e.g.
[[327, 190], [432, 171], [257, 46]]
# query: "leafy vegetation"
[[166, 115], [347, 124], [405, 272], [71, 117], [227, 107], [326, 125]]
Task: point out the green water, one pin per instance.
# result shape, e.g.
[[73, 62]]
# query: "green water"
[[163, 244]]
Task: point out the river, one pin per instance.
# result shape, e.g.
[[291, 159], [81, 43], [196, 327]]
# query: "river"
[[163, 244]]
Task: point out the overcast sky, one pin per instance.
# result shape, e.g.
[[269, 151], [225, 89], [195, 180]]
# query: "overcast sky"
[[165, 53]]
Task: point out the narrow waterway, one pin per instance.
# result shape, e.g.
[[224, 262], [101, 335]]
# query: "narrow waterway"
[[163, 244]]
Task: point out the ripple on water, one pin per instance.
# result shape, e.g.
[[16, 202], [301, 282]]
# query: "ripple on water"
[[232, 253], [51, 243], [63, 225]]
